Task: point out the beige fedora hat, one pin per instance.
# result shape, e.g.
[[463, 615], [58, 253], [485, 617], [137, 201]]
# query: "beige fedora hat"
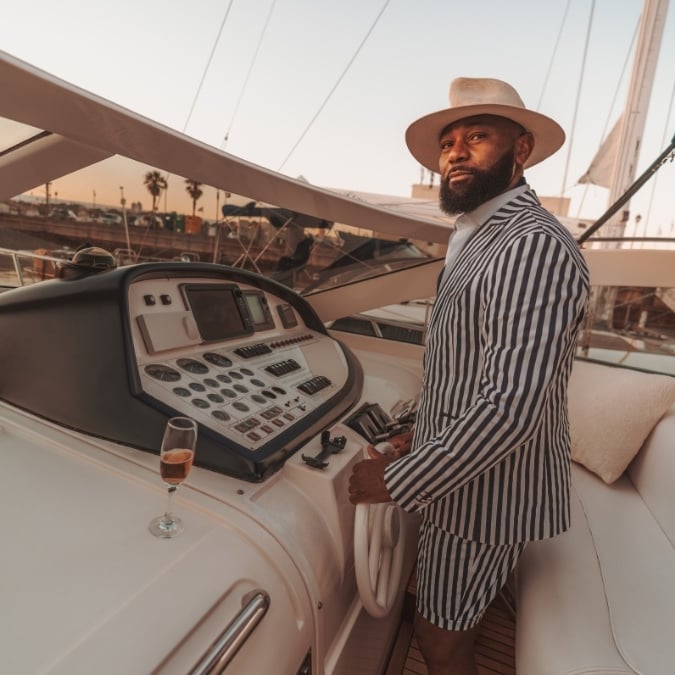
[[482, 96]]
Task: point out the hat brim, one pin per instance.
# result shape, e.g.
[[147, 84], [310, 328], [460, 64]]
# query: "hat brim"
[[422, 136]]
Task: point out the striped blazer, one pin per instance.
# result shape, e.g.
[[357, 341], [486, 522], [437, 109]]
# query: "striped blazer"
[[491, 450]]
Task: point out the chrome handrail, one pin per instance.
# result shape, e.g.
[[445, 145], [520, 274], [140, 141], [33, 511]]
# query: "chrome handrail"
[[228, 643], [17, 269]]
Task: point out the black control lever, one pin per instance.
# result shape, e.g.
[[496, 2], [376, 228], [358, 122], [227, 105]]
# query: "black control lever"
[[392, 430], [405, 412], [329, 446]]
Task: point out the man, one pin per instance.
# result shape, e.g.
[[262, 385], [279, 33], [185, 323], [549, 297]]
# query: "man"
[[489, 467]]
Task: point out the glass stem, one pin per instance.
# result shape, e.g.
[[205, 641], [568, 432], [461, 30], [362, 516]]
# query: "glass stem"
[[168, 517]]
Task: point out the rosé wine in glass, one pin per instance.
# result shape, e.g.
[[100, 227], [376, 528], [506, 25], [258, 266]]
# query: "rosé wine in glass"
[[175, 461]]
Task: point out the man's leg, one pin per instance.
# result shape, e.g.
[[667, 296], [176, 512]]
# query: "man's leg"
[[457, 579], [446, 652]]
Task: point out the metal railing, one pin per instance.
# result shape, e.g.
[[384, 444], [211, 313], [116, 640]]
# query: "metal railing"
[[26, 267], [228, 643]]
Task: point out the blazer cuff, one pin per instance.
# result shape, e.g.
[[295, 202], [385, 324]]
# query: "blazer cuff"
[[411, 503]]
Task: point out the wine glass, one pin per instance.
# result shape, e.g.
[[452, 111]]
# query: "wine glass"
[[175, 462]]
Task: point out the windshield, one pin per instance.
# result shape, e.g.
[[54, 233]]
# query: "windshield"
[[141, 213]]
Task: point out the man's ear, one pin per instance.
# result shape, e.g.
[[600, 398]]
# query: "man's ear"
[[523, 147]]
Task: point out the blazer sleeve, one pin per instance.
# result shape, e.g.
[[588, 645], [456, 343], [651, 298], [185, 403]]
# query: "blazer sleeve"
[[533, 294]]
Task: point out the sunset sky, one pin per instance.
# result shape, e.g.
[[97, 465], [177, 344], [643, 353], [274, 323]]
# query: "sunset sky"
[[325, 90]]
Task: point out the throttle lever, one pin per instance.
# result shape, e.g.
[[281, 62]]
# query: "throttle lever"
[[329, 446]]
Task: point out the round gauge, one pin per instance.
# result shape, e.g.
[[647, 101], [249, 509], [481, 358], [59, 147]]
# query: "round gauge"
[[211, 382], [236, 375], [246, 371], [241, 388], [200, 403], [182, 391], [192, 366], [241, 406], [258, 398], [279, 390], [220, 415], [257, 382], [217, 359], [162, 372], [268, 393], [216, 398], [197, 386], [228, 392], [224, 378]]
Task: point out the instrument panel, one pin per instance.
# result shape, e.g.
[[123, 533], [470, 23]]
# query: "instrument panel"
[[117, 353], [235, 358]]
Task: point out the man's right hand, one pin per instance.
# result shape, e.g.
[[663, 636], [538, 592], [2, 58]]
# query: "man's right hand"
[[401, 443]]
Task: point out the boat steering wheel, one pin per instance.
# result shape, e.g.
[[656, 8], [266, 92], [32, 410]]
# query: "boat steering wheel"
[[379, 547]]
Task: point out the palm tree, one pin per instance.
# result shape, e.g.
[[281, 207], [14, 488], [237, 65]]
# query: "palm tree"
[[155, 183], [195, 191]]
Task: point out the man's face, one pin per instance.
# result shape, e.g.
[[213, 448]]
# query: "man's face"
[[480, 157]]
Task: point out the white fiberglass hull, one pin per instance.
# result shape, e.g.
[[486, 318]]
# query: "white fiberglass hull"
[[93, 591]]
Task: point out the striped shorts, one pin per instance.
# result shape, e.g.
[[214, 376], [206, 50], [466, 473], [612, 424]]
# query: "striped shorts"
[[457, 579]]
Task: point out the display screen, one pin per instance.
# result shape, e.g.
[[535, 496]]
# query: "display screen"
[[218, 311], [258, 309]]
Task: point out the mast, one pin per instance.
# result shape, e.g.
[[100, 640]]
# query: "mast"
[[634, 117]]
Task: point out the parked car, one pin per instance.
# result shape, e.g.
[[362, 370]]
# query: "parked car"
[[110, 218], [62, 213], [150, 220]]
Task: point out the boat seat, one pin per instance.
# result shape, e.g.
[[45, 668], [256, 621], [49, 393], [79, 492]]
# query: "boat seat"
[[600, 598]]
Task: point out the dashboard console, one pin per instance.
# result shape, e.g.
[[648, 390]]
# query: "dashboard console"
[[117, 353]]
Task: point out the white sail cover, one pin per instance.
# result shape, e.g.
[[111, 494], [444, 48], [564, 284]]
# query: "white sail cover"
[[601, 168]]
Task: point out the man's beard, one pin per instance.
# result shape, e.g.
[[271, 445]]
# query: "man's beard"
[[484, 185]]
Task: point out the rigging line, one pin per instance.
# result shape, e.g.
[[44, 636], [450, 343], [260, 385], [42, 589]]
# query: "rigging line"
[[663, 142], [666, 156], [248, 74], [603, 136], [201, 82], [555, 49], [335, 86], [618, 84], [576, 103], [208, 65]]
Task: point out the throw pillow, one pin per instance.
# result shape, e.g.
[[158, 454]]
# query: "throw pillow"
[[612, 410]]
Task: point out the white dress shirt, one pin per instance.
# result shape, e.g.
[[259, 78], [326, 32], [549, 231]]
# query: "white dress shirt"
[[467, 224]]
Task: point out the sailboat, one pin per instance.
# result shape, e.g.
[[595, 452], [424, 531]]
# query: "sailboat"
[[275, 572]]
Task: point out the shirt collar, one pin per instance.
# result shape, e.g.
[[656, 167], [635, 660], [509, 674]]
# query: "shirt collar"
[[487, 209]]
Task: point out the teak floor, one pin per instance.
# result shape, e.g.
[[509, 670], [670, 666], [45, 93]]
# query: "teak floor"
[[495, 644]]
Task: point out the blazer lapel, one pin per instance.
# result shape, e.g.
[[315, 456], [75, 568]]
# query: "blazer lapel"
[[473, 256]]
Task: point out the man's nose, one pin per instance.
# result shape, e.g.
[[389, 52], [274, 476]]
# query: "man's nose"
[[457, 153]]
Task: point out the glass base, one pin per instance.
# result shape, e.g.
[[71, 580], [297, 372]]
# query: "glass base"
[[166, 528]]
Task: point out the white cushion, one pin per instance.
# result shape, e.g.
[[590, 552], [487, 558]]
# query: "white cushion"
[[598, 598], [652, 471], [612, 410], [637, 562], [563, 626]]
